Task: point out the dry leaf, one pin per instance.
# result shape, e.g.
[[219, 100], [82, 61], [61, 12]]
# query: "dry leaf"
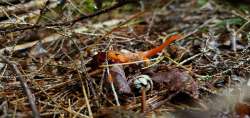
[[243, 110], [119, 79], [176, 80]]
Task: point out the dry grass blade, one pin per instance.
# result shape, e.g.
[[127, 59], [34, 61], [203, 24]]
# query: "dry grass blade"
[[26, 89], [91, 58]]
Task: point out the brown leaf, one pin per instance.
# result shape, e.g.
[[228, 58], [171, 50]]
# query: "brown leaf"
[[97, 60], [119, 79], [242, 109], [176, 80]]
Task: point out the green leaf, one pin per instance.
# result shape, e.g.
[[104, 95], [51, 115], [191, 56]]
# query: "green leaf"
[[205, 78], [231, 21], [90, 6], [200, 3], [244, 7]]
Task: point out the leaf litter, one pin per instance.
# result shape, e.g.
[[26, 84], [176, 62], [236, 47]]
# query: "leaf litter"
[[204, 74]]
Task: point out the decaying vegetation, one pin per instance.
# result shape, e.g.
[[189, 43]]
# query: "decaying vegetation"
[[124, 58]]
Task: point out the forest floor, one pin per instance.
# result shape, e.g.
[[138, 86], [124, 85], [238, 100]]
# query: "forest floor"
[[54, 68]]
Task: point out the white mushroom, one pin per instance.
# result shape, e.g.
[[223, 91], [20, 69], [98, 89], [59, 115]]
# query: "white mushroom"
[[143, 81]]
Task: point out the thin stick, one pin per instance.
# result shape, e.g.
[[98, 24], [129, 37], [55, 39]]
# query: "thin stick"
[[199, 76], [67, 23], [87, 100], [189, 59], [201, 26], [143, 100], [128, 63], [113, 87], [24, 85]]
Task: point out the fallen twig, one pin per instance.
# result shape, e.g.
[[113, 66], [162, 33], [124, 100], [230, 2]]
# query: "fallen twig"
[[24, 85], [67, 23]]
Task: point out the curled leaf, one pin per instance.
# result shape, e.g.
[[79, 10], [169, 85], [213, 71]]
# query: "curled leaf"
[[176, 80], [119, 80]]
